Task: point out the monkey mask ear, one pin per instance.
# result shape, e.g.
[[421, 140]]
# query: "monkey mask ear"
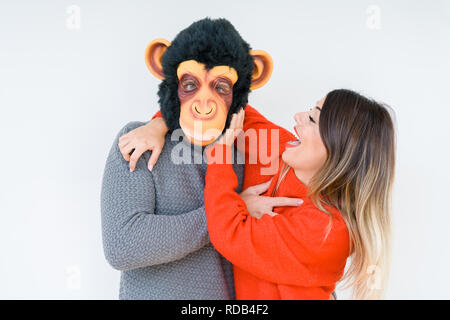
[[262, 70], [153, 56]]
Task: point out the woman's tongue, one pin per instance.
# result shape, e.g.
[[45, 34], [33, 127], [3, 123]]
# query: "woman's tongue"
[[294, 143]]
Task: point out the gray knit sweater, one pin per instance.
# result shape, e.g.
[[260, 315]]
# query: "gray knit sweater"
[[154, 227]]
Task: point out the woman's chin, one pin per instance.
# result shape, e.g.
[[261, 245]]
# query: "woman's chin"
[[291, 158], [285, 157]]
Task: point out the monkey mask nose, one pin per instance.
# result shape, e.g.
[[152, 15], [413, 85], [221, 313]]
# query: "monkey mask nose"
[[204, 109]]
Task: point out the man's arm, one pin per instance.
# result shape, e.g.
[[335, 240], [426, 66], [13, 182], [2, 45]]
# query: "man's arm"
[[133, 236]]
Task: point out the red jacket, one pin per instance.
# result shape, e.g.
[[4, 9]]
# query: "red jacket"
[[280, 257]]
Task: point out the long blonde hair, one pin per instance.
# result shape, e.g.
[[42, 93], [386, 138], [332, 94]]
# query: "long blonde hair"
[[357, 179]]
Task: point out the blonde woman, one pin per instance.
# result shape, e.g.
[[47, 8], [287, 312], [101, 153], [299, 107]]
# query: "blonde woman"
[[341, 164]]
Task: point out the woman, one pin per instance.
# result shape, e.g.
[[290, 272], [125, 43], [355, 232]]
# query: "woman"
[[342, 166]]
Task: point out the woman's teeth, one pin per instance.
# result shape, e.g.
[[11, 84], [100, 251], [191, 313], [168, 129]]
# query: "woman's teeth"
[[294, 143]]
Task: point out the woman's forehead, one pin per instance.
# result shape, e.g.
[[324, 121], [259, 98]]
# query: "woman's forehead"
[[320, 102]]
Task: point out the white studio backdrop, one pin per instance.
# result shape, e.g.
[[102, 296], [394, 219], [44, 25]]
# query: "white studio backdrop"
[[72, 74]]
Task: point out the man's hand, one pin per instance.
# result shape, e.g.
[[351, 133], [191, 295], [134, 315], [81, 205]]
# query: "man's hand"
[[258, 205], [148, 137]]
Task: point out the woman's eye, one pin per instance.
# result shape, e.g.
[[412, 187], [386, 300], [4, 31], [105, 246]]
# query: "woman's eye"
[[312, 120]]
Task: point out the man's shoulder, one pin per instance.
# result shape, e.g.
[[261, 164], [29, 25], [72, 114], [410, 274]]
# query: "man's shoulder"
[[115, 152]]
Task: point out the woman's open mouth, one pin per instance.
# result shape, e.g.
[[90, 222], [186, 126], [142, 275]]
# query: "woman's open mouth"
[[294, 143]]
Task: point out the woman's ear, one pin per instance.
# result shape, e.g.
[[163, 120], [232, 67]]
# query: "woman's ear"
[[262, 70], [153, 55]]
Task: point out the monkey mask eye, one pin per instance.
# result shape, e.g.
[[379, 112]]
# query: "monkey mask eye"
[[188, 84], [223, 86]]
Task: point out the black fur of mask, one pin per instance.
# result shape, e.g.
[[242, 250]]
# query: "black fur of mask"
[[212, 42]]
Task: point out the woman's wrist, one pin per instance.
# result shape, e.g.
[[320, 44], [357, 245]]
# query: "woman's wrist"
[[158, 124]]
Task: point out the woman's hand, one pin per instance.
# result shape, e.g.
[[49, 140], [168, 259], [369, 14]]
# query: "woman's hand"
[[148, 137], [258, 205], [235, 128]]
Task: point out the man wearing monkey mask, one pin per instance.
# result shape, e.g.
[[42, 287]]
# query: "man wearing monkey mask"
[[153, 221]]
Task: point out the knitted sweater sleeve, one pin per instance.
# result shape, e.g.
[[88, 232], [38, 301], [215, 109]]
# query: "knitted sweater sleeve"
[[133, 235]]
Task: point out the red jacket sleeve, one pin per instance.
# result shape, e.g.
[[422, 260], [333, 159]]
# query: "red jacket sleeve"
[[157, 114], [264, 143], [285, 249], [255, 120]]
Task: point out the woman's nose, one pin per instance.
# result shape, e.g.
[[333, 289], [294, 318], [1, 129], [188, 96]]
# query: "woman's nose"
[[298, 117]]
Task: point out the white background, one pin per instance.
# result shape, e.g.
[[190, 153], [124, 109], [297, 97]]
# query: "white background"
[[66, 91]]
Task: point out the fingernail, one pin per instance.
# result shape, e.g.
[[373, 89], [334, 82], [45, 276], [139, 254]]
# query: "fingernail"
[[150, 167], [300, 202], [131, 170]]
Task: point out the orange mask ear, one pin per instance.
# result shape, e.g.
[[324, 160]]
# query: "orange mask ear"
[[153, 55], [262, 70]]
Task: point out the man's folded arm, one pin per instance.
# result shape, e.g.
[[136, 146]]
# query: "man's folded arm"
[[133, 236]]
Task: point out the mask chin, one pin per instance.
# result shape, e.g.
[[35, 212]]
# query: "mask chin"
[[201, 143], [202, 133], [200, 140]]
